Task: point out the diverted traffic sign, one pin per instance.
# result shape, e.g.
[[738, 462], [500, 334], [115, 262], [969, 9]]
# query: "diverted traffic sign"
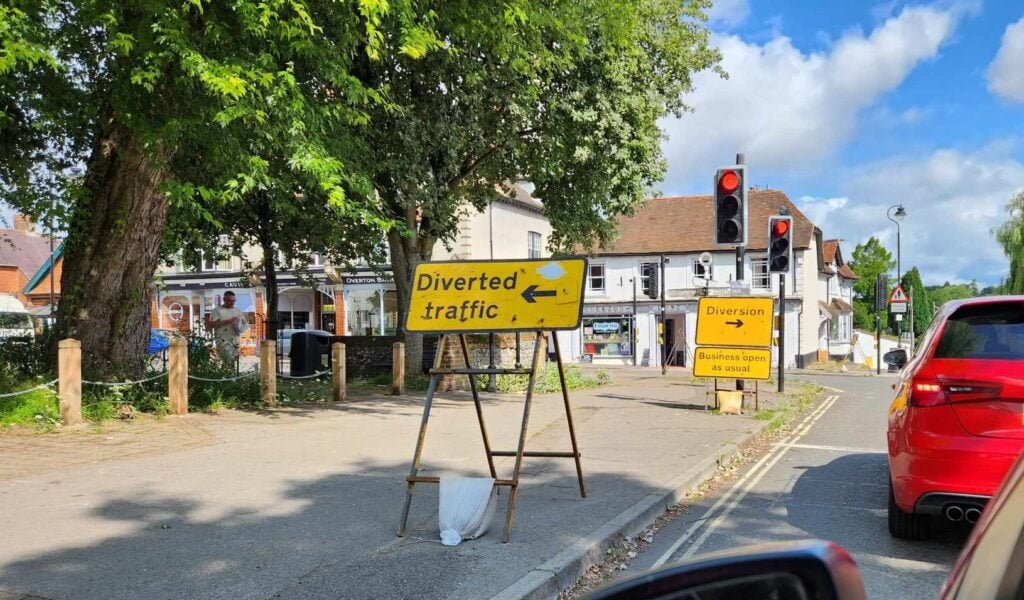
[[509, 295], [733, 363], [735, 322]]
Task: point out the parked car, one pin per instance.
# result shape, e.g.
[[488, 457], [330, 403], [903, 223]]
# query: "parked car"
[[955, 426], [15, 320], [284, 338], [989, 567]]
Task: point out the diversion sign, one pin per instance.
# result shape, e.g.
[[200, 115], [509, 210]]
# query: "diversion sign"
[[484, 296]]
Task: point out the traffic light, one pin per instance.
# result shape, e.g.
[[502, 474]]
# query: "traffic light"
[[731, 206], [780, 246], [651, 274]]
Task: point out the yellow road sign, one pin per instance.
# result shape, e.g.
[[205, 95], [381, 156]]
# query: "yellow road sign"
[[483, 296], [735, 321], [733, 363]]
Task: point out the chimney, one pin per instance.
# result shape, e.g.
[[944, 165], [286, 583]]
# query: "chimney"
[[24, 224]]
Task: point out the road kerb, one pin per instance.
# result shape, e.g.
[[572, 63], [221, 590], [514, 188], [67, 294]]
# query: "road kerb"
[[565, 568]]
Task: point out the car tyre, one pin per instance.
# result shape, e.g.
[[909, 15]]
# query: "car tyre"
[[907, 526]]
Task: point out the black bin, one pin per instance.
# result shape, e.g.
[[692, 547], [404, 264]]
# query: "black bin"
[[310, 353]]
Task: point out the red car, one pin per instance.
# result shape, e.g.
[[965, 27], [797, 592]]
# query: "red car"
[[956, 425]]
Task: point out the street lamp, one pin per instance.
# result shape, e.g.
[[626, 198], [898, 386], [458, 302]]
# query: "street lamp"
[[897, 217]]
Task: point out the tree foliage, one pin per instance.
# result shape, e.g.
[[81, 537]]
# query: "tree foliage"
[[564, 93], [870, 259], [133, 90], [1011, 235], [922, 306]]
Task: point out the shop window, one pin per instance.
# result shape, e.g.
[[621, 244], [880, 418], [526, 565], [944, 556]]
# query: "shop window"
[[608, 336], [699, 273]]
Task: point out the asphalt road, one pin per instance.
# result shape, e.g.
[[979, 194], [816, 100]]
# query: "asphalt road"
[[827, 480]]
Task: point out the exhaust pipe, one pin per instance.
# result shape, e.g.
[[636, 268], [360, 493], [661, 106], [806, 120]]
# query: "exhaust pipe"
[[954, 513], [972, 515]]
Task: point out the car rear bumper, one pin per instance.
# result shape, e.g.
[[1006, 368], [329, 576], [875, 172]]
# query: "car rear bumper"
[[931, 456], [935, 503]]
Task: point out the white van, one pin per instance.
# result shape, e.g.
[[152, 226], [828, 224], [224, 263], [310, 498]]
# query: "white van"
[[15, 320]]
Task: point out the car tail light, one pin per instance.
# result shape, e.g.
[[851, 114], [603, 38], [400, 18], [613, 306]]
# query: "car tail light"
[[926, 392], [970, 391]]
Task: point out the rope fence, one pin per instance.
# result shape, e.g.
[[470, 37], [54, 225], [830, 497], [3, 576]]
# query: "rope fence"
[[41, 386]]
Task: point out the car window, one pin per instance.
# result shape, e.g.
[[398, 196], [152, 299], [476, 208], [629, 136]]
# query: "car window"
[[984, 331]]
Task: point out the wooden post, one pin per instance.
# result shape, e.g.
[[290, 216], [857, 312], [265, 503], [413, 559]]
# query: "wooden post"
[[398, 369], [69, 383], [338, 391], [177, 377], [268, 372]]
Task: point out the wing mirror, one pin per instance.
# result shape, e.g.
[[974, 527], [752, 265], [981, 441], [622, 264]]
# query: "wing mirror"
[[895, 358], [786, 571]]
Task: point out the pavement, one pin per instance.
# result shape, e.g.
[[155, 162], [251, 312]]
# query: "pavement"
[[825, 481], [304, 502]]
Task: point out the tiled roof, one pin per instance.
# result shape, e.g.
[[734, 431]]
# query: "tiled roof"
[[27, 251], [846, 272], [686, 224], [829, 249]]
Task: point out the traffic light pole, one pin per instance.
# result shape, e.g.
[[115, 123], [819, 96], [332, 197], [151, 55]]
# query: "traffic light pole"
[[739, 276], [782, 332], [663, 336]]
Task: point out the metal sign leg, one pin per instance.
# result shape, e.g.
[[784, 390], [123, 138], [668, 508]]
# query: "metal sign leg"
[[410, 485], [522, 437], [479, 407], [568, 414]]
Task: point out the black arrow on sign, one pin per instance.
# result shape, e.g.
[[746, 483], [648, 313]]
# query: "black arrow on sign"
[[737, 323], [532, 292]]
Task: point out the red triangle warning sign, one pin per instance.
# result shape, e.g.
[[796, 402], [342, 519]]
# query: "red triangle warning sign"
[[898, 296]]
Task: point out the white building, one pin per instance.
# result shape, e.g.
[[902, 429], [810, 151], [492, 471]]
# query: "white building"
[[835, 288], [618, 329]]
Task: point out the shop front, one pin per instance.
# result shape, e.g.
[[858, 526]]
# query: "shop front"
[[370, 305]]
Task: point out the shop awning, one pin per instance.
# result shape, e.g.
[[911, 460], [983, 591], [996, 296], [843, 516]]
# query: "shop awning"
[[841, 306], [826, 311]]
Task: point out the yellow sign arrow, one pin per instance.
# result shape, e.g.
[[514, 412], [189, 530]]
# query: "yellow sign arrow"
[[733, 363], [735, 321], [483, 296]]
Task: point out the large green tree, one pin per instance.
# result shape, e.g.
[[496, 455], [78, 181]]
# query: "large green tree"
[[132, 89], [1011, 235], [564, 93], [870, 259]]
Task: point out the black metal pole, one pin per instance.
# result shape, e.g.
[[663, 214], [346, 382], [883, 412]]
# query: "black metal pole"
[[632, 332], [664, 334], [739, 277], [492, 379], [782, 332]]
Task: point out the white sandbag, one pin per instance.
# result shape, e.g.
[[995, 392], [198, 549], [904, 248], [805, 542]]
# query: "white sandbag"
[[465, 508]]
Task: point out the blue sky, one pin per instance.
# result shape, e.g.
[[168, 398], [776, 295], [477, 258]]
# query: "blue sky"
[[851, 107]]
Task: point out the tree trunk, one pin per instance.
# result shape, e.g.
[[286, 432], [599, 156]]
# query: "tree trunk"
[[270, 285], [111, 254], [406, 253]]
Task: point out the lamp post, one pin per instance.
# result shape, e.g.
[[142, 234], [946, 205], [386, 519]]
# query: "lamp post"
[[897, 218]]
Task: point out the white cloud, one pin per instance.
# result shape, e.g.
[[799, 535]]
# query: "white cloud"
[[1006, 73], [788, 109], [953, 201], [729, 13]]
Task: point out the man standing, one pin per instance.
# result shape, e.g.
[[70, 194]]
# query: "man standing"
[[227, 323]]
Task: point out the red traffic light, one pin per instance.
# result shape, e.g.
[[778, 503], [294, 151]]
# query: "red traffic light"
[[780, 227], [729, 182]]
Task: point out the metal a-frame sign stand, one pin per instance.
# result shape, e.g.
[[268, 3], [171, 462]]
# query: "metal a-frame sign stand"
[[526, 288]]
